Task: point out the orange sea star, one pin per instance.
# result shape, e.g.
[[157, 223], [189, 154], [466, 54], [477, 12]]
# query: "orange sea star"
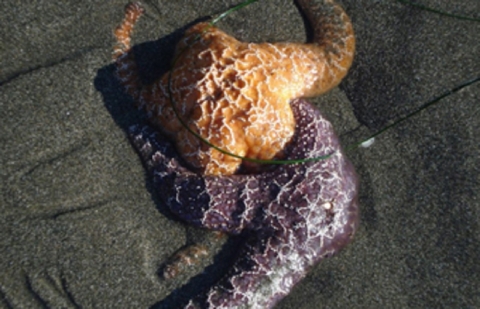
[[237, 95]]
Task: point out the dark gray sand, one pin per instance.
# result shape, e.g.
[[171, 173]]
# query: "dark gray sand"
[[80, 227]]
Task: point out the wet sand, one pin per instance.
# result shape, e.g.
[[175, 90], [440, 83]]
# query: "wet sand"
[[80, 225]]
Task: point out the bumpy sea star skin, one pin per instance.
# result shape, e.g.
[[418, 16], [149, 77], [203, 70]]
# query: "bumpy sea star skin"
[[293, 216], [234, 94]]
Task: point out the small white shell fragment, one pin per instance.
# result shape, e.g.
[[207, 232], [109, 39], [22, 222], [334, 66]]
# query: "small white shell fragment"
[[368, 143]]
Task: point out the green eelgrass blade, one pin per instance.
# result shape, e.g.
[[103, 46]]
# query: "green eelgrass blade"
[[227, 12], [429, 9], [420, 109]]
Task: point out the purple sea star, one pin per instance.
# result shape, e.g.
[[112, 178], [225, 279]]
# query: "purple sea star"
[[294, 215]]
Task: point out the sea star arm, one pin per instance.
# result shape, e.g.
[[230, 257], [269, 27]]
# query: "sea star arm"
[[334, 39], [127, 70], [225, 204]]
